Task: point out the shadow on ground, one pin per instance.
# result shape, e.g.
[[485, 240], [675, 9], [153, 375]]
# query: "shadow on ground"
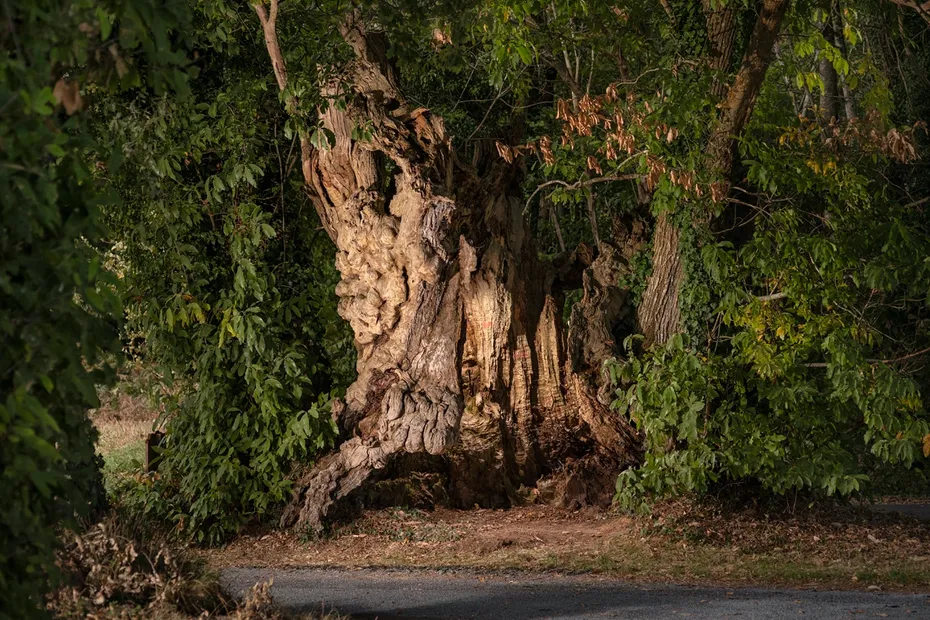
[[438, 595]]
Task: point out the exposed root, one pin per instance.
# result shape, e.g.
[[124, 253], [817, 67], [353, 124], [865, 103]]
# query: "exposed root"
[[412, 421]]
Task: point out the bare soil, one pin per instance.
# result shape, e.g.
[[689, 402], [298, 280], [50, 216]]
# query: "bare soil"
[[841, 547]]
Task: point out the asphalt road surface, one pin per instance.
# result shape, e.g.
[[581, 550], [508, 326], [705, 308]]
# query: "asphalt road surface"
[[435, 595], [920, 512]]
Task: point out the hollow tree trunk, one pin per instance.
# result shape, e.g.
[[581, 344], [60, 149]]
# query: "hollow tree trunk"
[[457, 322]]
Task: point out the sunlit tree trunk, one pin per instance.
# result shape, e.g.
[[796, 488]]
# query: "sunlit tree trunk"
[[457, 321]]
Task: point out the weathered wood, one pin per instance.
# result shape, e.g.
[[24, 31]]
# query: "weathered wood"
[[457, 321]]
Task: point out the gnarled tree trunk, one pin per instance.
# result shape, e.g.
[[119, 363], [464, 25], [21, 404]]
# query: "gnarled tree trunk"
[[457, 321]]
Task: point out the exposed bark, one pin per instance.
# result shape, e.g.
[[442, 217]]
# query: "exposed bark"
[[457, 322], [658, 313], [721, 33], [849, 104], [829, 97], [741, 97], [604, 314]]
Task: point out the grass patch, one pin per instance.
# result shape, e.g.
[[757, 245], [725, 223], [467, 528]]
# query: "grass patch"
[[122, 464]]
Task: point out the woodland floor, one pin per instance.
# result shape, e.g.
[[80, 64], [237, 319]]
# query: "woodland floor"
[[849, 548], [835, 546]]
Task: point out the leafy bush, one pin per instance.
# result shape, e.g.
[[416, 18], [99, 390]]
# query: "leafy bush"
[[804, 367], [229, 281], [712, 418], [809, 372], [58, 309]]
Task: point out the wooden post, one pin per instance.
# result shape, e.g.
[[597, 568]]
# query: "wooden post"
[[152, 457]]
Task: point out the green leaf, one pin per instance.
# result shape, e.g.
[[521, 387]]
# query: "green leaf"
[[103, 21]]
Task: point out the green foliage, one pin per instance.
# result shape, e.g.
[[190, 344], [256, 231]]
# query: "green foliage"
[[803, 379], [813, 388], [58, 308], [230, 281], [709, 418], [803, 369], [804, 305], [805, 299]]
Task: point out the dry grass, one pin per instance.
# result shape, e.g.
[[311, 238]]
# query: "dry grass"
[[831, 547], [121, 569], [260, 605], [123, 420], [839, 547], [120, 566]]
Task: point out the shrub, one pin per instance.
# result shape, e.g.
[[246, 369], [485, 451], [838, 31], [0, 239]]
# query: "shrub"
[[58, 308], [228, 279], [119, 564]]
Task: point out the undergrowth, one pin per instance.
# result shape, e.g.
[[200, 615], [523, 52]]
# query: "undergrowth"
[[122, 568]]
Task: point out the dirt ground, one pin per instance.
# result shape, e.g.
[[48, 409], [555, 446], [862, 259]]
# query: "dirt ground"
[[849, 548]]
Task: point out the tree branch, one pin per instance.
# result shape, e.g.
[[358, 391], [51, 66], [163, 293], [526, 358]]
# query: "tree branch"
[[922, 9], [742, 94], [772, 297], [893, 360], [579, 184], [269, 22]]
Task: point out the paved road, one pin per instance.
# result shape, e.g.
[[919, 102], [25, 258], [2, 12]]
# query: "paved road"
[[433, 595], [920, 512]]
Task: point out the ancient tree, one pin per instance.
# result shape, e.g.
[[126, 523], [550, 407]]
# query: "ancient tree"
[[458, 320]]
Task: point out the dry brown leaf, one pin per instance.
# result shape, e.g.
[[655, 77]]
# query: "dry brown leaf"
[[68, 94], [121, 67]]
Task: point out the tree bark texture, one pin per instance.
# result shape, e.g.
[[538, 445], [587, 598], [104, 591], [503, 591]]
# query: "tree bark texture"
[[721, 34], [457, 321], [829, 98], [658, 313]]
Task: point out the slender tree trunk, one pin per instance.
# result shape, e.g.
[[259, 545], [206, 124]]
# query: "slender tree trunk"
[[849, 104], [658, 313], [829, 97], [457, 321], [721, 33]]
